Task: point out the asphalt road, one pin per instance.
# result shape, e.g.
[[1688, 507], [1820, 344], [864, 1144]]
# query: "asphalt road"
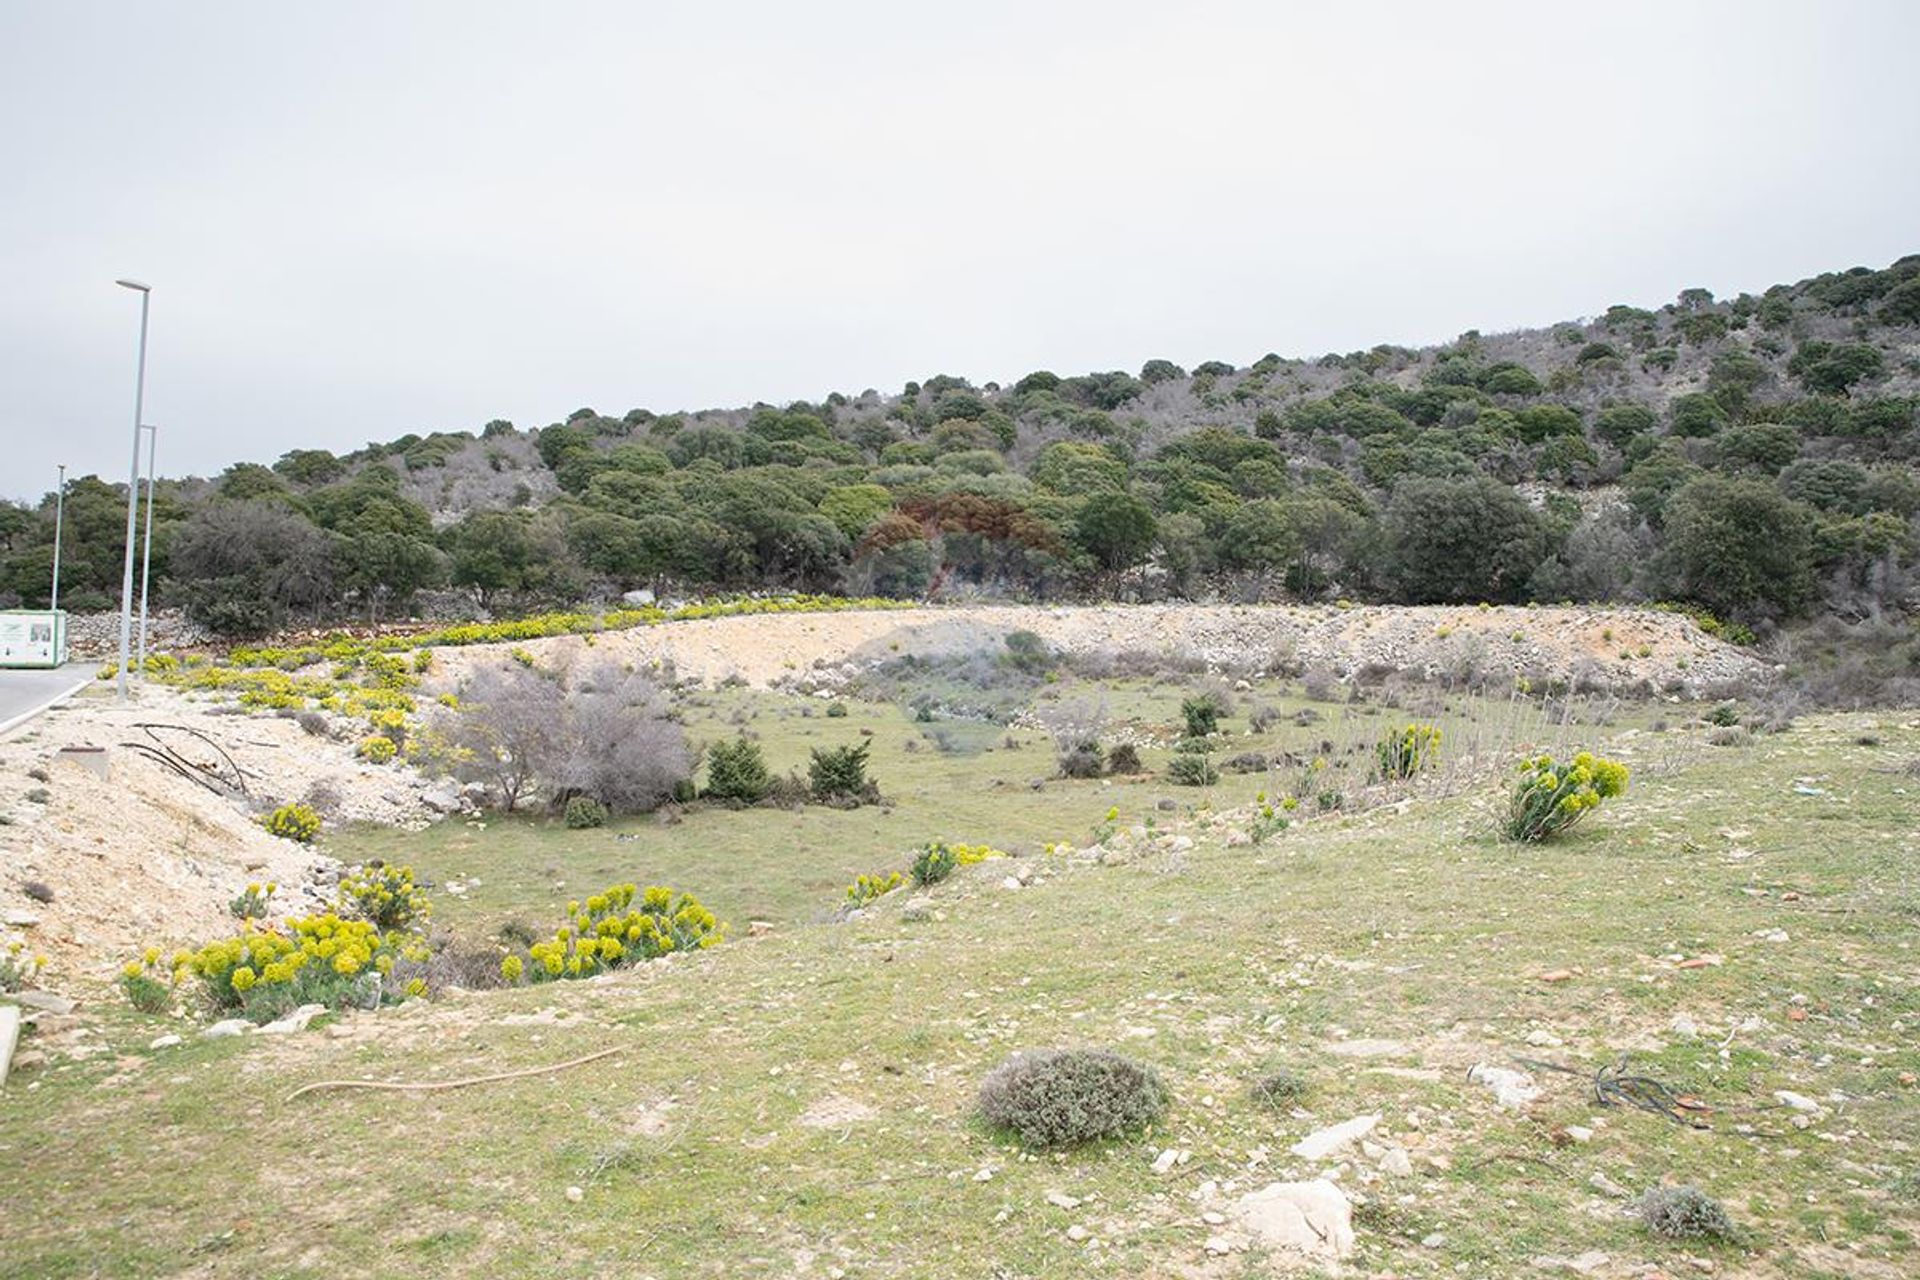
[[25, 694]]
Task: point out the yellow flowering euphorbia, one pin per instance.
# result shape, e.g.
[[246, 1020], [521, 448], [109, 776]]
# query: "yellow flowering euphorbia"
[[1550, 797], [264, 971], [621, 926]]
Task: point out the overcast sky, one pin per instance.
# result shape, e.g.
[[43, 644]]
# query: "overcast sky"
[[361, 220]]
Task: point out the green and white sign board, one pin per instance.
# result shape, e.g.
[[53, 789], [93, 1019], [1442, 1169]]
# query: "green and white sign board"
[[33, 637]]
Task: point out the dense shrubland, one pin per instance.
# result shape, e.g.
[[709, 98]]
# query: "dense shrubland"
[[1753, 456]]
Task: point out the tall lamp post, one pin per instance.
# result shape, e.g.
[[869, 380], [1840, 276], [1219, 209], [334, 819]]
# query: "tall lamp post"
[[133, 485], [59, 519], [146, 548]]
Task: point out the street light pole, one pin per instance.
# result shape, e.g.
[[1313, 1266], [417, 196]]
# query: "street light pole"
[[59, 519], [133, 485], [146, 550]]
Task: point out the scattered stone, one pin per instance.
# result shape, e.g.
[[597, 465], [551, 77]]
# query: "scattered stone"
[[18, 919], [1556, 975], [1061, 1200], [1314, 1219], [1511, 1089], [1798, 1101], [1541, 1038], [1078, 1233], [759, 928], [9, 1037], [442, 797], [576, 1195], [1397, 1163], [44, 1001], [293, 1022], [1219, 1246], [1213, 1219], [1367, 1048], [1682, 1025], [165, 1042], [1589, 1263], [226, 1027], [1325, 1142], [1607, 1186], [1771, 935], [1579, 1133], [1163, 1162], [1432, 1240]]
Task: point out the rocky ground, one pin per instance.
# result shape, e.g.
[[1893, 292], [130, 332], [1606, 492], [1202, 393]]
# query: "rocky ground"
[[105, 849], [1618, 650]]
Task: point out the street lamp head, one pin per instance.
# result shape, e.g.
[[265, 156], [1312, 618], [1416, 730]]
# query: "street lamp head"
[[134, 284]]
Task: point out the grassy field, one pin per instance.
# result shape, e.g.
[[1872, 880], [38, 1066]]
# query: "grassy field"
[[802, 1104], [988, 784]]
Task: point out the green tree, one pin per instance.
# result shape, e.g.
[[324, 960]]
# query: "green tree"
[[1739, 546], [1834, 368], [1116, 529], [1461, 540]]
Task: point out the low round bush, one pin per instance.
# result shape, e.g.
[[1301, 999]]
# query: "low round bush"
[[1123, 759], [1279, 1087], [1684, 1213], [296, 822], [583, 812], [1058, 1097], [1083, 760], [1192, 769], [1551, 797]]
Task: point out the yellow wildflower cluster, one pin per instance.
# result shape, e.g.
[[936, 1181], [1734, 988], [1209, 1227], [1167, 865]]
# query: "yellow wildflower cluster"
[[1403, 752], [1550, 797], [18, 967], [624, 925], [866, 888], [384, 895], [323, 959], [377, 749], [296, 822], [255, 902]]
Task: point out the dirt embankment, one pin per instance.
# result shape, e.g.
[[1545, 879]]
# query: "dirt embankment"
[[133, 853], [1613, 649]]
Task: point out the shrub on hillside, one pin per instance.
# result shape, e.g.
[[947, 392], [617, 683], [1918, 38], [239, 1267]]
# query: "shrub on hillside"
[[1279, 1087], [838, 775], [737, 771], [1059, 1097], [1123, 759], [583, 813], [1551, 797], [1083, 760], [1684, 1213], [295, 822], [384, 896], [1201, 714]]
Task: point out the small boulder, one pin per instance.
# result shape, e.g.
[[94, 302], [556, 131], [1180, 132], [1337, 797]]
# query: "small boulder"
[[226, 1027], [293, 1022], [1335, 1138], [1313, 1219]]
